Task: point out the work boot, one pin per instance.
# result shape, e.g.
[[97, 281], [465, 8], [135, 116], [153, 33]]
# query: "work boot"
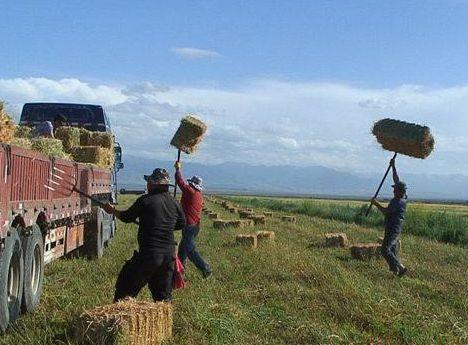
[[402, 271]]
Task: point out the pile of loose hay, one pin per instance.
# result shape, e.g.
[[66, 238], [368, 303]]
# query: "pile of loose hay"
[[268, 236], [336, 240], [7, 126], [50, 147], [291, 219], [247, 240], [129, 321], [407, 138], [102, 157], [70, 137], [189, 134], [366, 251]]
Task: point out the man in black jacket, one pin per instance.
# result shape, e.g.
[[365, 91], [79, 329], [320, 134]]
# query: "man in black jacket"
[[159, 214]]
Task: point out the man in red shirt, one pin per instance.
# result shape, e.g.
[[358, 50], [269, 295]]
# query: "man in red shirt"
[[192, 204]]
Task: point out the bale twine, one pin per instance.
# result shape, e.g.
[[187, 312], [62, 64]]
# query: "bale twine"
[[247, 240], [7, 126], [189, 134], [129, 321], [336, 240], [291, 219], [70, 137], [267, 236], [103, 158], [258, 219], [366, 252], [50, 147], [403, 137]]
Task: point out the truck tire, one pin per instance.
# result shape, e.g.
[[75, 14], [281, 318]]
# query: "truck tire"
[[11, 279], [93, 235], [33, 253]]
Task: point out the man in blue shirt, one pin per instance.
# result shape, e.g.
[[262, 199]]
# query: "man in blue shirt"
[[394, 216]]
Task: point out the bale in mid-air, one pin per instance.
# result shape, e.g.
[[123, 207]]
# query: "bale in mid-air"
[[403, 137], [189, 134]]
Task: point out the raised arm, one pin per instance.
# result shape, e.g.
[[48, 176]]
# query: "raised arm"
[[183, 185], [396, 178]]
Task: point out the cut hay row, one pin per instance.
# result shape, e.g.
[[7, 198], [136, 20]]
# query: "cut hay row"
[[403, 137], [129, 321]]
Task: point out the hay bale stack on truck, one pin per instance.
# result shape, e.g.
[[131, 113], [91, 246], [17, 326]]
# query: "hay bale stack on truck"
[[39, 225]]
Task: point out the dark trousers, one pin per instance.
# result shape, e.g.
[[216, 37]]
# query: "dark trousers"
[[156, 270], [390, 248], [187, 248]]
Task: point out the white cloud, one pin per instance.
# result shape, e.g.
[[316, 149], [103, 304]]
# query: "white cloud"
[[271, 122], [194, 53]]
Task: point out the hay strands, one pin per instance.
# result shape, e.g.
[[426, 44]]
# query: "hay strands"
[[66, 185]]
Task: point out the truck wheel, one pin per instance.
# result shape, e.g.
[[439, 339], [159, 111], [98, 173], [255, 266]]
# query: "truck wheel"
[[93, 235], [11, 280], [33, 252]]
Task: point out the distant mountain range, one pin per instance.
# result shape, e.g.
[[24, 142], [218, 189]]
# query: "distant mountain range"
[[292, 180]]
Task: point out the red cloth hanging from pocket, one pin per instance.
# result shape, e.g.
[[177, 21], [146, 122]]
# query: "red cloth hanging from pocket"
[[178, 281]]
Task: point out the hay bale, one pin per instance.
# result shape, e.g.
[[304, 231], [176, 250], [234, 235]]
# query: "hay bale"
[[245, 214], [291, 219], [50, 147], [268, 236], [220, 224], [403, 137], [7, 126], [258, 219], [189, 134], [213, 216], [101, 157], [23, 132], [129, 321], [241, 223], [70, 137], [268, 214], [86, 137], [233, 210], [336, 240], [366, 251], [247, 240], [24, 143]]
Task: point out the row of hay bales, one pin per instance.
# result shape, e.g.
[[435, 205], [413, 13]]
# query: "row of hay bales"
[[78, 144]]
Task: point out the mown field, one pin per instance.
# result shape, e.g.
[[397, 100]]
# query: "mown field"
[[294, 291]]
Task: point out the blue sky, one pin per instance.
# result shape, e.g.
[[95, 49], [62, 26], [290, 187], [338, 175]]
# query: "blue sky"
[[278, 82]]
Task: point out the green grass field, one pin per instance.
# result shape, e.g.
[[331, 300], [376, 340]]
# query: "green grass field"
[[291, 292]]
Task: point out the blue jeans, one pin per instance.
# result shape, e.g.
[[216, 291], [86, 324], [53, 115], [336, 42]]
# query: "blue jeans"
[[390, 250], [187, 248]]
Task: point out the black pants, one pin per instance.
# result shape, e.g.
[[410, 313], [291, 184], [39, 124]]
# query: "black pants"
[[156, 270]]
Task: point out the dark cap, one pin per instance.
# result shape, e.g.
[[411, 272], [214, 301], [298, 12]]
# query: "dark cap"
[[400, 185], [158, 176]]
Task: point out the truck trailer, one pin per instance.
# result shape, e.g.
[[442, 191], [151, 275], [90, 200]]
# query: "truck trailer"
[[38, 224]]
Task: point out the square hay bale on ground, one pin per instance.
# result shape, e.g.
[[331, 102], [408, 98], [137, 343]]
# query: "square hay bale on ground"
[[247, 240], [233, 210], [267, 236], [366, 251], [245, 214], [220, 224], [129, 321], [70, 137], [258, 219], [241, 223], [290, 219], [213, 216], [336, 240], [103, 158], [268, 214]]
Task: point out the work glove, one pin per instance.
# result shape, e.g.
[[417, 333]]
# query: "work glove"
[[108, 208], [177, 165]]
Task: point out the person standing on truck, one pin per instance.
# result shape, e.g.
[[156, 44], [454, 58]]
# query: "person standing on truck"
[[47, 129], [159, 214], [192, 203], [394, 216]]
